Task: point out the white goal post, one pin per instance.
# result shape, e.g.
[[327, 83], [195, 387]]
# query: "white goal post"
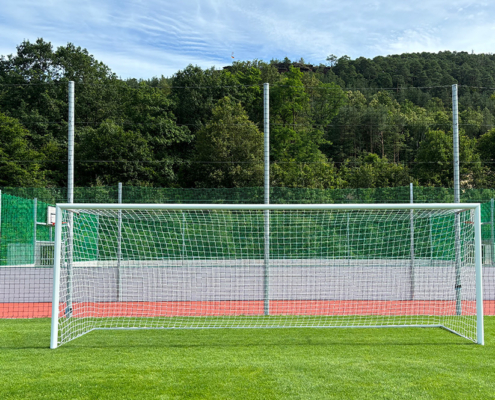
[[192, 266]]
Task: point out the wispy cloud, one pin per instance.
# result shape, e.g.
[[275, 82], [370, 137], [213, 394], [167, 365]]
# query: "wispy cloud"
[[151, 38]]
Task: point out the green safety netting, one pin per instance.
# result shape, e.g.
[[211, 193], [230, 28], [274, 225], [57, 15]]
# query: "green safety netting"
[[19, 233]]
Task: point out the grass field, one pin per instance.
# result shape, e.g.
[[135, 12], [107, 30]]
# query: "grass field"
[[246, 364]]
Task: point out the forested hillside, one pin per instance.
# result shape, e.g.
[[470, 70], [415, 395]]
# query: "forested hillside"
[[376, 122]]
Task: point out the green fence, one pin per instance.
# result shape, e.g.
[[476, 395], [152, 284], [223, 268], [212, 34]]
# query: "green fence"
[[219, 235], [278, 195], [19, 233], [21, 240]]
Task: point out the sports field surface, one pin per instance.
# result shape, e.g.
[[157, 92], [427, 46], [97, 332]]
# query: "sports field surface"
[[302, 363]]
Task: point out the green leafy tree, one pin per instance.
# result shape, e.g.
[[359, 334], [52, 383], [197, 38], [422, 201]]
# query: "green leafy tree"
[[109, 154], [472, 122], [434, 160], [229, 149], [20, 164], [148, 112], [373, 171], [300, 113], [486, 150], [196, 91]]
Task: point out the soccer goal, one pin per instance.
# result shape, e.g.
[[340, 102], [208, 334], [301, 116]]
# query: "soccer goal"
[[190, 266]]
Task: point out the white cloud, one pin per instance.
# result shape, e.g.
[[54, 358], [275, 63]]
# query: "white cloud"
[[144, 39]]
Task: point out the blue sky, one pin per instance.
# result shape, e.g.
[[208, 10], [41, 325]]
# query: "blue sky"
[[142, 39]]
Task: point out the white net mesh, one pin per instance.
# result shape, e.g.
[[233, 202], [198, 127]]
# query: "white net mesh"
[[209, 269]]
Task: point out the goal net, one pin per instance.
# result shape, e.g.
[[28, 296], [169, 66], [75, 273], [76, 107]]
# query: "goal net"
[[266, 266]]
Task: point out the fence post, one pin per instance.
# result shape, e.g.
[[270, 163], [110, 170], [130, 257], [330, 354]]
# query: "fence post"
[[70, 152], [70, 197], [119, 244], [492, 220], [348, 239], [0, 226], [411, 219], [35, 219], [266, 133], [457, 199]]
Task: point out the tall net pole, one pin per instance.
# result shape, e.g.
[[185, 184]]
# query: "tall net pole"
[[119, 244], [70, 194], [411, 199], [455, 130], [70, 153], [492, 230], [266, 214], [457, 199], [1, 215]]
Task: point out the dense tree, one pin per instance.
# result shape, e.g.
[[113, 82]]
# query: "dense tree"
[[435, 163], [486, 149], [109, 154], [229, 149], [372, 171], [20, 164], [297, 130], [202, 126], [137, 108]]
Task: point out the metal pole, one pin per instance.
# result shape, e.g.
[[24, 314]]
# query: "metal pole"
[[492, 220], [0, 216], [70, 196], [56, 279], [263, 207], [411, 224], [479, 276], [119, 245], [348, 240], [455, 130], [70, 158], [431, 241], [266, 118], [183, 236], [35, 219], [457, 199]]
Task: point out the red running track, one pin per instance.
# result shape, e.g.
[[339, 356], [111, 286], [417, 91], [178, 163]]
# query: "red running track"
[[233, 308]]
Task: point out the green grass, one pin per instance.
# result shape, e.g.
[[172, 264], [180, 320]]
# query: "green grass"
[[246, 364]]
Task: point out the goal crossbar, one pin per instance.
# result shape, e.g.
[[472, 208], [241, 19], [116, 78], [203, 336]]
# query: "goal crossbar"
[[270, 207], [94, 242]]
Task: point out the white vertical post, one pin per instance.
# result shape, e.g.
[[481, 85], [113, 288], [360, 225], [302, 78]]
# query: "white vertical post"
[[56, 278], [455, 131], [119, 245], [70, 194], [479, 276], [457, 199], [411, 223], [348, 233], [431, 241], [183, 252], [266, 120], [70, 153]]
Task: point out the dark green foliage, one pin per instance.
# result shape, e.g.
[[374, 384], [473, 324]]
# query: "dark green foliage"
[[435, 160], [33, 89], [229, 149], [20, 163], [157, 132]]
